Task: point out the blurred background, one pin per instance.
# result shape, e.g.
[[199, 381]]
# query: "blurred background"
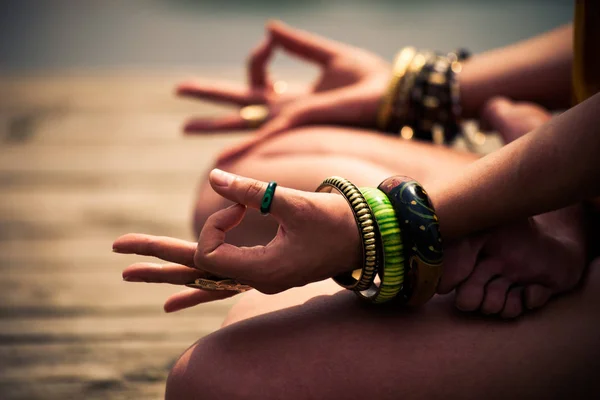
[[90, 148]]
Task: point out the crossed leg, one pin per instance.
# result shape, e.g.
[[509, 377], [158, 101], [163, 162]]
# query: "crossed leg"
[[319, 342]]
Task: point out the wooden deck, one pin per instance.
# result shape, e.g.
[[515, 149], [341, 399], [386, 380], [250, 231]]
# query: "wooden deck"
[[85, 158]]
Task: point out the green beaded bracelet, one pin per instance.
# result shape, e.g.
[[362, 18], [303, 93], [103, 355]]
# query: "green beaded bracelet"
[[391, 267]]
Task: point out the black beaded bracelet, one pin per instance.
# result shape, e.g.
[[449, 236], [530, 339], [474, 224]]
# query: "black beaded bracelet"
[[427, 101]]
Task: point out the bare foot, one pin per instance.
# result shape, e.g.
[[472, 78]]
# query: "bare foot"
[[520, 266]]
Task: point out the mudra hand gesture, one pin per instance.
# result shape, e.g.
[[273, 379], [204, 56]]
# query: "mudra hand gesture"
[[317, 239], [347, 92]]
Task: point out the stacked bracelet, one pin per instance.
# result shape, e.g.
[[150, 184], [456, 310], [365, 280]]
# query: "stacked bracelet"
[[401, 64], [426, 103], [367, 229], [400, 237]]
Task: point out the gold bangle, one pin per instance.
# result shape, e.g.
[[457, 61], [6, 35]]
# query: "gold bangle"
[[401, 63], [359, 279], [402, 120]]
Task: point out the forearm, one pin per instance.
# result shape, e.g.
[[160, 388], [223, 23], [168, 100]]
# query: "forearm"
[[555, 165], [538, 70]]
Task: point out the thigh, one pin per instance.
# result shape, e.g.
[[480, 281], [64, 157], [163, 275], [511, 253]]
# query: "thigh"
[[303, 157], [421, 160], [318, 342]]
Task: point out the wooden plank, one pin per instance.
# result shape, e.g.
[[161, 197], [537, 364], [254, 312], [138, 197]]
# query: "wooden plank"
[[40, 214], [185, 326], [68, 252], [196, 156], [95, 128], [85, 158], [118, 91], [86, 288], [115, 91], [101, 389], [121, 369], [98, 180]]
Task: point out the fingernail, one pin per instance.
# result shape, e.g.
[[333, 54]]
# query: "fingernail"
[[221, 178], [132, 279]]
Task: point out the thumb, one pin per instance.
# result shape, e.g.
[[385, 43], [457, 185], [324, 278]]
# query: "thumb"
[[250, 192]]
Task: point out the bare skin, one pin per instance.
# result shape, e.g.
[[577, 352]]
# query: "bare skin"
[[504, 271], [478, 268], [353, 80], [319, 342]]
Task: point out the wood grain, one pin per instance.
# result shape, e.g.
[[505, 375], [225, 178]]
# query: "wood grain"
[[83, 159]]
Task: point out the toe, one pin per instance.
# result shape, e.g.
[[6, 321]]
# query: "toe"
[[514, 303], [469, 294], [536, 296], [495, 295]]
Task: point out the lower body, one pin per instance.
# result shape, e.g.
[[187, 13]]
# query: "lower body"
[[320, 342]]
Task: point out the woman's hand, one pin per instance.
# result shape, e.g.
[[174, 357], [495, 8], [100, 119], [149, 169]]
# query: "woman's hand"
[[517, 267], [348, 91], [317, 239]]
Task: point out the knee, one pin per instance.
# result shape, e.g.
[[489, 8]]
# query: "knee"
[[194, 375], [213, 368]]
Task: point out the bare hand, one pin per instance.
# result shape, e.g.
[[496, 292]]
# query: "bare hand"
[[348, 91], [517, 267], [317, 239]]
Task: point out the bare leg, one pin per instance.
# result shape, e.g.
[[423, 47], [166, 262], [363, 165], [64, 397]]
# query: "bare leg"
[[315, 342]]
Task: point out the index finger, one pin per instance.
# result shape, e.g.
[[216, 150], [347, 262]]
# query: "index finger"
[[300, 43], [163, 247], [304, 44]]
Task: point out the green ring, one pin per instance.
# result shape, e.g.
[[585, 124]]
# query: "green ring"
[[267, 199]]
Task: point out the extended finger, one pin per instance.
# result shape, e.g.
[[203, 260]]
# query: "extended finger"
[[225, 92], [308, 46], [233, 122], [192, 297], [257, 64], [304, 44], [165, 248], [174, 274]]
